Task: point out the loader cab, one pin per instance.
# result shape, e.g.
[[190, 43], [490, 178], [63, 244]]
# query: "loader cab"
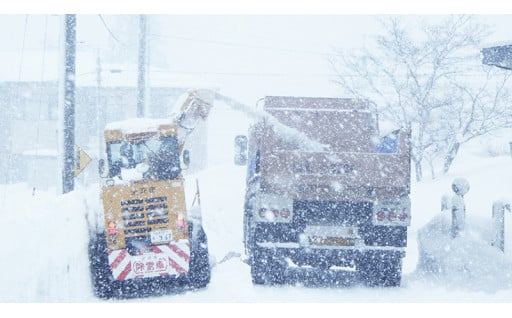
[[151, 153], [156, 158]]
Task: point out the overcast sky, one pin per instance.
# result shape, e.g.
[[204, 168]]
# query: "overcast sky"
[[247, 56]]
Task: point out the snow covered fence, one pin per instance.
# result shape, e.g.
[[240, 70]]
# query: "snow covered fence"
[[498, 223], [460, 187], [465, 251]]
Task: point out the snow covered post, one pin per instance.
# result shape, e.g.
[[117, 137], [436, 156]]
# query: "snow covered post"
[[498, 223], [460, 187]]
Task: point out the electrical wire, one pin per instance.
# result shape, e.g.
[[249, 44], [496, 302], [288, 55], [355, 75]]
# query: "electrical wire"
[[40, 100], [109, 31], [245, 73], [251, 46], [9, 172]]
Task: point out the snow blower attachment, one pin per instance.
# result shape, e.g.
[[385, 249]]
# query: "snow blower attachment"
[[344, 207], [149, 239]]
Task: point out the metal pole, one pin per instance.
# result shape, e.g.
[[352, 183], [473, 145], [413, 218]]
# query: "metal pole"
[[142, 67], [69, 105]]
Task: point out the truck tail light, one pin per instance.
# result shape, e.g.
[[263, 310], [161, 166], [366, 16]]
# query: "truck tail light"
[[274, 208], [392, 212]]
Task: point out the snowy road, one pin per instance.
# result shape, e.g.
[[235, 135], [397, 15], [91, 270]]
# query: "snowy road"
[[44, 239], [53, 266]]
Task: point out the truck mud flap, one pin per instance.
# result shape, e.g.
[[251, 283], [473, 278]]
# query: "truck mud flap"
[[380, 268], [266, 269]]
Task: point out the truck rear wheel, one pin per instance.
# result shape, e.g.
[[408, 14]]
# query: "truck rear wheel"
[[199, 275], [380, 269], [199, 268], [102, 279]]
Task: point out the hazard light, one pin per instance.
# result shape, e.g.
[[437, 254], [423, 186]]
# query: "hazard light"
[[180, 222], [112, 232]]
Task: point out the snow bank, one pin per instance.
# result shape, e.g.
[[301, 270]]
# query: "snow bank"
[[468, 261], [44, 247]]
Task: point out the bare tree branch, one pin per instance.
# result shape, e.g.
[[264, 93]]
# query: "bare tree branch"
[[418, 77]]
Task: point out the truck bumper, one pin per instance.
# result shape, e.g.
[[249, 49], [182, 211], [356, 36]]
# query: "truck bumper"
[[323, 256]]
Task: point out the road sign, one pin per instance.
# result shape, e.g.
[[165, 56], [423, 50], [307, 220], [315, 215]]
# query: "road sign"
[[82, 159]]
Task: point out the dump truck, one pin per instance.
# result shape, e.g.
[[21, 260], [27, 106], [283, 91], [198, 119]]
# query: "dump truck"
[[325, 192], [148, 238]]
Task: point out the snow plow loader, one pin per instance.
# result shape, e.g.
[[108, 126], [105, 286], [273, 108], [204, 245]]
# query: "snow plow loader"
[[148, 239], [325, 193]]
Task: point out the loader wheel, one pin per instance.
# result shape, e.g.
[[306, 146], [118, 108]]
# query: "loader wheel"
[[382, 269], [102, 279], [199, 268]]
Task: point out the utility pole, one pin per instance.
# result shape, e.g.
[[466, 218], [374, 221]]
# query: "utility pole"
[[142, 67], [68, 104]]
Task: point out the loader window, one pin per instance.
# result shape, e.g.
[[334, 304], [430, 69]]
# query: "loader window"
[[126, 152], [165, 163], [160, 154]]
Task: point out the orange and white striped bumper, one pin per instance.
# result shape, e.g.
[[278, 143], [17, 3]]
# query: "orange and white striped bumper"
[[158, 260]]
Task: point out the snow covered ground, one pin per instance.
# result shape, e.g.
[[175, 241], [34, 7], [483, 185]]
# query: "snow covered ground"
[[44, 238]]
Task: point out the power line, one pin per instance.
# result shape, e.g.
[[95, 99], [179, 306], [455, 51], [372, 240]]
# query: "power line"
[[264, 47], [41, 91], [245, 73], [470, 67], [258, 74], [109, 31], [9, 173]]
